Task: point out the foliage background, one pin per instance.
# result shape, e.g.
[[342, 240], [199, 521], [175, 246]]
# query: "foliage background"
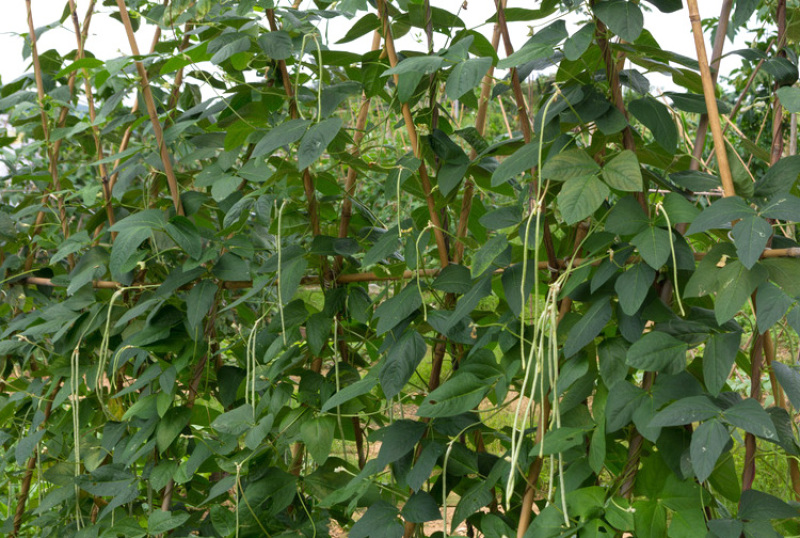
[[351, 288]]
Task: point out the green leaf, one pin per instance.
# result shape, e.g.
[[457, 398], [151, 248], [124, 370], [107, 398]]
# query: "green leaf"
[[529, 52], [394, 310], [469, 302], [198, 303], [457, 395], [569, 164], [779, 178], [382, 249], [790, 98], [720, 353], [362, 26], [317, 434], [422, 65], [475, 498], [686, 411], [588, 327], [622, 17], [654, 246], [360, 387], [171, 425], [503, 217], [241, 44], [159, 521], [759, 506], [453, 279], [632, 287], [401, 361], [236, 421], [656, 117], [276, 45], [612, 365], [281, 135], [482, 260], [627, 217], [465, 76], [232, 268], [771, 305], [420, 507], [518, 162], [781, 206], [318, 328], [623, 172], [82, 63], [752, 418], [650, 519], [656, 351], [512, 280], [380, 521], [621, 403], [560, 440], [735, 285], [580, 197], [133, 230], [720, 214], [708, 442], [316, 141], [579, 42], [292, 271], [750, 235], [789, 378], [783, 272], [398, 439]]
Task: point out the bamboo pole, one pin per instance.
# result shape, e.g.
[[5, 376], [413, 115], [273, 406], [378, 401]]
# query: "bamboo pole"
[[149, 102]]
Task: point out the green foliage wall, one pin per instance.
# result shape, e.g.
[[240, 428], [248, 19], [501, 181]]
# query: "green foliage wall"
[[350, 288]]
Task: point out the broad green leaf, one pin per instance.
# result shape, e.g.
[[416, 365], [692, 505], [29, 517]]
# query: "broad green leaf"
[[781, 206], [518, 162], [529, 52], [465, 76], [627, 217], [779, 178], [281, 135], [424, 465], [171, 425], [469, 301], [783, 272], [580, 197], [401, 361], [623, 172], [398, 439], [718, 357], [708, 442], [482, 260], [579, 42], [620, 405], [569, 164], [512, 280], [656, 351], [790, 98], [133, 230], [236, 421], [422, 65], [686, 411], [318, 328], [656, 117], [752, 418], [159, 521], [750, 235], [560, 440], [276, 45], [613, 368], [198, 303], [292, 271], [317, 434], [589, 326], [720, 214], [771, 305], [735, 285], [622, 17], [362, 26], [453, 279], [759, 506], [379, 521], [654, 246], [241, 44], [315, 141], [361, 387], [383, 248], [632, 287], [503, 217], [457, 395], [394, 310], [650, 519], [420, 507], [789, 378], [475, 498]]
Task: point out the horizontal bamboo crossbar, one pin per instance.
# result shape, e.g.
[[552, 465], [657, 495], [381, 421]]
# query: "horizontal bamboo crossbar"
[[793, 252]]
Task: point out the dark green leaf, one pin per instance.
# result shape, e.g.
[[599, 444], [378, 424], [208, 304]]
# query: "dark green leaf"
[[771, 305], [790, 98], [316, 141], [398, 308], [759, 506], [580, 197], [198, 303], [623, 172], [453, 279], [457, 395], [475, 498], [171, 425], [281, 135], [185, 234], [401, 361], [708, 442], [420, 507], [735, 285], [789, 378], [656, 117], [752, 418], [482, 260], [779, 178], [317, 434], [720, 352], [589, 326], [398, 439], [380, 521], [750, 235], [276, 45], [686, 411], [632, 287], [720, 214], [627, 217], [521, 160], [622, 17], [159, 521], [579, 42], [465, 76], [654, 246], [657, 351], [569, 164]]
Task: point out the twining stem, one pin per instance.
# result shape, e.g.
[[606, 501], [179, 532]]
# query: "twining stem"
[[52, 159], [166, 160], [408, 119]]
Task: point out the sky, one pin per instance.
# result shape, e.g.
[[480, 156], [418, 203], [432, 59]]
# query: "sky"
[[107, 37]]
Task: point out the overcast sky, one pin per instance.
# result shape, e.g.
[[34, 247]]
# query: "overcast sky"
[[107, 37]]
